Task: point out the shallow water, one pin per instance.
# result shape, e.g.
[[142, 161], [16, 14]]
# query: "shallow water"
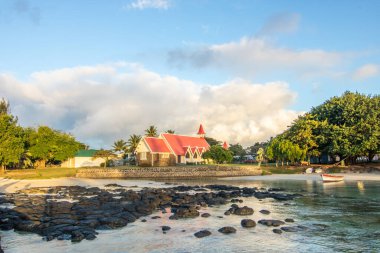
[[351, 211]]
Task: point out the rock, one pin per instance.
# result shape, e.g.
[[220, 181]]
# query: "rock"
[[248, 223], [113, 185], [156, 217], [1, 250], [143, 220], [277, 231], [264, 211], [227, 230], [77, 236], [227, 213], [289, 220], [294, 229], [165, 228], [269, 223], [220, 217], [205, 215], [202, 233], [243, 211], [236, 201], [186, 212]]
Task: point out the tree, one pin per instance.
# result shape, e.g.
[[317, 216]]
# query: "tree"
[[105, 154], [151, 132], [212, 141], [133, 141], [283, 150], [218, 154], [237, 150], [170, 131], [51, 146], [11, 141], [120, 146], [4, 107], [253, 149], [260, 156]]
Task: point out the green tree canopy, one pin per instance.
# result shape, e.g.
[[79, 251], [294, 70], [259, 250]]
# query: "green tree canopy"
[[105, 154], [212, 141], [218, 154], [11, 141], [237, 150], [133, 141], [170, 131], [151, 131]]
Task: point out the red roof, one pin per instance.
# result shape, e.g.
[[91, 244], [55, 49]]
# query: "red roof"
[[225, 145], [157, 145], [201, 130], [180, 143]]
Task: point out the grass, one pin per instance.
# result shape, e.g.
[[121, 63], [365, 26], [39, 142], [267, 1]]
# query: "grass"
[[46, 173]]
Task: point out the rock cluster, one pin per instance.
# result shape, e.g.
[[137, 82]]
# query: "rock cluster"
[[76, 213]]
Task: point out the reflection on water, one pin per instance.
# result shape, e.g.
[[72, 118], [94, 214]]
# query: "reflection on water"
[[339, 217]]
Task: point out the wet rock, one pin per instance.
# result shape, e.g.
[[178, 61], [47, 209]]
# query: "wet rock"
[[77, 236], [187, 212], [113, 185], [227, 230], [271, 223], [248, 223], [294, 228], [205, 215], [245, 210], [202, 233], [236, 201], [165, 228], [277, 231], [264, 211], [289, 220], [156, 217], [143, 220], [227, 213]]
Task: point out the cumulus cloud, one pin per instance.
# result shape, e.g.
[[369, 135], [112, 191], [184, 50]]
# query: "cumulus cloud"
[[99, 104], [148, 4], [366, 71], [281, 23], [250, 56]]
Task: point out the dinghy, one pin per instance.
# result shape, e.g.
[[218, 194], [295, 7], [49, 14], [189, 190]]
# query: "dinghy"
[[331, 178]]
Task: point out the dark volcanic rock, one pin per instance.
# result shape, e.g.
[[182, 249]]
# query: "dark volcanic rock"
[[205, 215], [294, 229], [289, 220], [264, 211], [248, 223], [227, 230], [277, 231], [202, 233], [245, 210], [46, 212], [165, 228], [269, 223]]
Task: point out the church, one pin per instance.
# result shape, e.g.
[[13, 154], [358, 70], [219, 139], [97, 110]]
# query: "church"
[[171, 149]]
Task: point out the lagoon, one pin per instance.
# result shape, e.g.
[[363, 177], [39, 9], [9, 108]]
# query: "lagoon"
[[339, 217]]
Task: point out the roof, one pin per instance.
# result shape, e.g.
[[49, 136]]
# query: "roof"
[[85, 153], [180, 143], [201, 130], [157, 145], [225, 145]]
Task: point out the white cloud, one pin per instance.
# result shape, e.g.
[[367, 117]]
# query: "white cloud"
[[366, 71], [102, 103], [146, 4], [251, 56]]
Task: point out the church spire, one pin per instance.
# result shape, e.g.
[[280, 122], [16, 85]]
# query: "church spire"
[[201, 132]]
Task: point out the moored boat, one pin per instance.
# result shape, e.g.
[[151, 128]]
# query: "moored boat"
[[331, 178]]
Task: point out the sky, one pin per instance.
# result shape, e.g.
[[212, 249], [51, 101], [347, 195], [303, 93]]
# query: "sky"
[[103, 70]]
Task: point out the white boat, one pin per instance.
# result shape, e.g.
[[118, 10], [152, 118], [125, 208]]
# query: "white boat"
[[331, 178]]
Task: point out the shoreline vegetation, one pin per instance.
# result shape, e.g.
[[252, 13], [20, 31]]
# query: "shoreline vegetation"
[[58, 172]]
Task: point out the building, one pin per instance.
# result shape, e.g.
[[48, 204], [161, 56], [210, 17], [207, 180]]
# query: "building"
[[171, 149], [83, 158]]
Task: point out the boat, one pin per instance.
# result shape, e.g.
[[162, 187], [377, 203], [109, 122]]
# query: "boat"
[[331, 178]]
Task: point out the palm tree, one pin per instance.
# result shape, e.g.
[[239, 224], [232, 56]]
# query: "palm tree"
[[260, 155], [120, 146], [133, 141], [170, 131], [151, 131]]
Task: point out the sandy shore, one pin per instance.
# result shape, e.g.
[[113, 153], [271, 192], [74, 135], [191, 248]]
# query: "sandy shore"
[[12, 185]]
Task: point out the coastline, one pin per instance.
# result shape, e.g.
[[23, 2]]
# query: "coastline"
[[12, 185]]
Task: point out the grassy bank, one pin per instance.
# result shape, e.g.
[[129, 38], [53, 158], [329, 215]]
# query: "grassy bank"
[[46, 173]]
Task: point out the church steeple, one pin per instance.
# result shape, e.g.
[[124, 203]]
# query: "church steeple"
[[201, 132], [225, 145]]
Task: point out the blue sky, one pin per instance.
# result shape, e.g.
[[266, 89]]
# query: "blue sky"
[[315, 49]]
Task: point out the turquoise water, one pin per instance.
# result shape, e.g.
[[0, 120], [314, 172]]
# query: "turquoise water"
[[339, 217]]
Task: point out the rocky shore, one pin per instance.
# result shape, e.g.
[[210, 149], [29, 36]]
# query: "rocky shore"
[[76, 213]]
